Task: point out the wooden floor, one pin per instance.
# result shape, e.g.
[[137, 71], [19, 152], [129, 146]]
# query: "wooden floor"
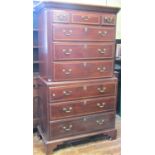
[[101, 147]]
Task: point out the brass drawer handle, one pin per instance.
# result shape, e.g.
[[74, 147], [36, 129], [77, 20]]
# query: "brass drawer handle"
[[108, 20], [67, 92], [100, 122], [67, 110], [101, 69], [101, 105], [103, 33], [67, 32], [102, 51], [67, 52], [67, 128], [85, 17], [67, 71], [101, 90]]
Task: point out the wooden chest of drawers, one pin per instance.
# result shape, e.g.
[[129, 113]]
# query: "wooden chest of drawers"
[[77, 86]]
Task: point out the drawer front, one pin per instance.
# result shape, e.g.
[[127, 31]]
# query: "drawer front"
[[82, 70], [82, 33], [86, 18], [81, 107], [63, 93], [107, 89], [73, 51], [68, 71], [83, 124], [108, 19], [61, 16]]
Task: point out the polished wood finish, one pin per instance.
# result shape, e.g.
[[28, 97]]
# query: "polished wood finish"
[[63, 110], [77, 87], [95, 145], [86, 18], [82, 17], [63, 32], [82, 51], [79, 125], [82, 70], [84, 90]]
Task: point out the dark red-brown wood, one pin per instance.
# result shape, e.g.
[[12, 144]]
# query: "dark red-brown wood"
[[62, 32], [86, 18], [78, 125], [63, 110], [82, 70], [83, 17], [76, 47], [84, 90], [79, 51]]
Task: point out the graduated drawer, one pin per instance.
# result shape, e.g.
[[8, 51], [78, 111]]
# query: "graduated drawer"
[[83, 17], [73, 51], [78, 125], [82, 33], [81, 107], [82, 70], [83, 90]]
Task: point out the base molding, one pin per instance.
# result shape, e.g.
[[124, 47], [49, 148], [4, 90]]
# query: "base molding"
[[51, 145]]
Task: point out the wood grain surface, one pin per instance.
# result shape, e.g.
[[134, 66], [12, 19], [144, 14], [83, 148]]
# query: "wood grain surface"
[[102, 147]]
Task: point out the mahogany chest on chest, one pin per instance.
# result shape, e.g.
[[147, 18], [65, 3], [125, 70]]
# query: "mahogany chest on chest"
[[77, 86]]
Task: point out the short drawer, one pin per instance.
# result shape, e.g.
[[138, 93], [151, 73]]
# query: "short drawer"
[[75, 51], [108, 19], [81, 125], [61, 16], [81, 107], [86, 18], [83, 33], [84, 90], [82, 70]]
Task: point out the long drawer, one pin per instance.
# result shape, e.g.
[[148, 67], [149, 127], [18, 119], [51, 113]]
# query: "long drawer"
[[83, 90], [74, 51], [83, 33], [62, 110], [79, 125], [82, 70]]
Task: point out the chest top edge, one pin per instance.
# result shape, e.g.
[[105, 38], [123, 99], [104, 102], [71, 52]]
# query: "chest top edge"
[[73, 6]]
